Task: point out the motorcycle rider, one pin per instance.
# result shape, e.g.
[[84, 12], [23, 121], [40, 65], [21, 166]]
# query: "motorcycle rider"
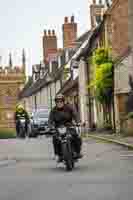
[[63, 114], [21, 113]]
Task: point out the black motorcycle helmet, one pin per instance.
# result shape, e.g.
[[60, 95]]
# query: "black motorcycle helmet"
[[60, 97]]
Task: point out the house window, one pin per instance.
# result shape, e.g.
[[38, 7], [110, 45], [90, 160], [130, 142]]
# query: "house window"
[[50, 66], [67, 55], [59, 61], [41, 74]]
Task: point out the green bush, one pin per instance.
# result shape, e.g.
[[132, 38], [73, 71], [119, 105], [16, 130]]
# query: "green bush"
[[130, 115], [103, 77], [7, 134]]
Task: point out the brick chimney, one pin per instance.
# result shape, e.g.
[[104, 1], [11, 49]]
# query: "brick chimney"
[[130, 23], [96, 10], [49, 44], [69, 32]]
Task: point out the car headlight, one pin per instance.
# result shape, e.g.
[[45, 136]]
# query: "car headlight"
[[62, 130], [35, 122], [31, 121]]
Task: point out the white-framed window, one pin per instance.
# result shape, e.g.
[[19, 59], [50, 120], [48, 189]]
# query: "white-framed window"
[[67, 55], [41, 74], [50, 66], [34, 77], [59, 61]]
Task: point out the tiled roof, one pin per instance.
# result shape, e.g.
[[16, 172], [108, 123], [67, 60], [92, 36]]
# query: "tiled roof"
[[68, 85], [33, 88], [88, 43], [123, 55], [83, 37]]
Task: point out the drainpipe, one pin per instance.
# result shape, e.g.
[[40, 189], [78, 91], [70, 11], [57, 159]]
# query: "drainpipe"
[[113, 96], [89, 95], [35, 102], [50, 98]]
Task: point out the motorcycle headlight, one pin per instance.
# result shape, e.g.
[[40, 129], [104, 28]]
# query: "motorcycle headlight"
[[62, 130], [22, 120]]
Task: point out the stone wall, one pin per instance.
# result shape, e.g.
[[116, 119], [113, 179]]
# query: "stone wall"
[[122, 72], [10, 85], [119, 18], [130, 22]]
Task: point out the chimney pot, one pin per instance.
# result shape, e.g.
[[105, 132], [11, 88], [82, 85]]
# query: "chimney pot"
[[53, 32], [45, 32], [100, 2], [72, 19], [49, 32], [66, 19]]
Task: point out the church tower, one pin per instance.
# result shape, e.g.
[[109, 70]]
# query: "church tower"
[[10, 60], [23, 62], [12, 80]]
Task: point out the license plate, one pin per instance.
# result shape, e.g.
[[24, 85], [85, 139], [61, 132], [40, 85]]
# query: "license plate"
[[42, 131]]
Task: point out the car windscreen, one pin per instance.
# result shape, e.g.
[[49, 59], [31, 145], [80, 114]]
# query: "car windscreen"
[[41, 115]]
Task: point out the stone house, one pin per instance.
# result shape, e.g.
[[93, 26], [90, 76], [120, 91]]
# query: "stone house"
[[88, 41], [109, 33], [45, 83], [116, 33], [118, 15], [40, 93]]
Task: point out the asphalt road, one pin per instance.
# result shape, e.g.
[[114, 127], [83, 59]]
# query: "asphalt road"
[[30, 173]]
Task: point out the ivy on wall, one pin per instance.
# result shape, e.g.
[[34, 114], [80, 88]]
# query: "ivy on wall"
[[102, 82]]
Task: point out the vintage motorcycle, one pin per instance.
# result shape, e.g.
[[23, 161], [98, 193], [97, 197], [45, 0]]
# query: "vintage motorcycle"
[[64, 136], [22, 128]]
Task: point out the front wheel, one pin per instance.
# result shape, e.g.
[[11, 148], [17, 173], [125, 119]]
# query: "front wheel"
[[67, 155], [22, 133]]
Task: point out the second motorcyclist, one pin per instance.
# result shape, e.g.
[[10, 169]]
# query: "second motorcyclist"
[[21, 113]]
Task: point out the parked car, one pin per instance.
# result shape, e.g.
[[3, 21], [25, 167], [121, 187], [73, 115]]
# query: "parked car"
[[39, 122]]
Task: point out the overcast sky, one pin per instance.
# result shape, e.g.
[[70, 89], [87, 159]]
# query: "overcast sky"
[[23, 21]]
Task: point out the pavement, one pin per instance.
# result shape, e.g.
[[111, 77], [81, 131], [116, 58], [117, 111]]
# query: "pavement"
[[104, 173], [118, 139]]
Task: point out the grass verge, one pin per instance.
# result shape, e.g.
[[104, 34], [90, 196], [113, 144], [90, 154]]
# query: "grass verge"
[[7, 134]]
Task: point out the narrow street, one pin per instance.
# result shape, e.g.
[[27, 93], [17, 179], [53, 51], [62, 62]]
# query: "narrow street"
[[105, 172]]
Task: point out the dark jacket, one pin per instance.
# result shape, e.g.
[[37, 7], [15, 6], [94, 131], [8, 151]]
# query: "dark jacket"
[[63, 116], [19, 115]]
